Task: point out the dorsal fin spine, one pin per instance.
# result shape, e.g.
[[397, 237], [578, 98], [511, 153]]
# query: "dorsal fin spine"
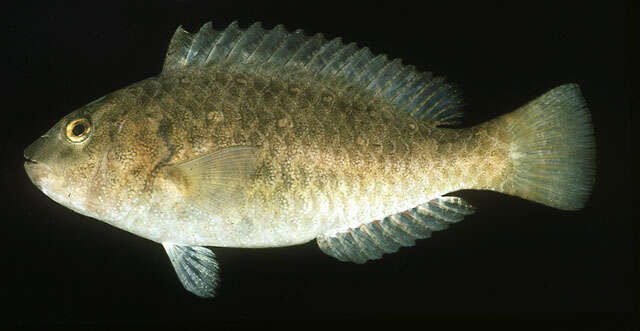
[[245, 45], [201, 43], [283, 54], [180, 43], [279, 35], [221, 49], [251, 42], [234, 37], [324, 55], [301, 42], [209, 37], [339, 58], [306, 51], [214, 42], [273, 39], [347, 63], [346, 69]]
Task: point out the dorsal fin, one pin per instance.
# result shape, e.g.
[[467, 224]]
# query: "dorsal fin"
[[259, 50]]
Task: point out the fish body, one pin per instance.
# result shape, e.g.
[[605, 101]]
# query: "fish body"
[[265, 138], [325, 167]]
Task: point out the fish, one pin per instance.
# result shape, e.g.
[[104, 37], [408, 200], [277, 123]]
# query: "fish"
[[268, 138]]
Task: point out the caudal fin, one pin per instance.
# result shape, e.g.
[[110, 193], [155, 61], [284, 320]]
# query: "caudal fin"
[[553, 149]]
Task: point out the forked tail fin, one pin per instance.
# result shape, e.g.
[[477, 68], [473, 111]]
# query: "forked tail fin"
[[553, 149]]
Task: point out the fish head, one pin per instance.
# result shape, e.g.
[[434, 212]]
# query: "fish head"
[[84, 162]]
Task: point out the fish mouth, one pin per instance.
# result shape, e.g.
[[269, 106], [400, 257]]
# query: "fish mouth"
[[29, 154], [29, 161], [36, 171]]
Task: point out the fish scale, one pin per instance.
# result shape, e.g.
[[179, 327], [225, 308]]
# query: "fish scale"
[[266, 138], [367, 138]]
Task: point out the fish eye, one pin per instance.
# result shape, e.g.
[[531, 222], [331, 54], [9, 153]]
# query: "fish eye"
[[78, 130]]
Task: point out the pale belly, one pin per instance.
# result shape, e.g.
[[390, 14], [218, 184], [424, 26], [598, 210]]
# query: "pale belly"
[[296, 222]]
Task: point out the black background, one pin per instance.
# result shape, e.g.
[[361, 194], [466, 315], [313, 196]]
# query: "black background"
[[513, 258]]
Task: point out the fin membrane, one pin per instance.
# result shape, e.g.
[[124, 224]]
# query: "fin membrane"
[[257, 50], [553, 149], [196, 268], [371, 240], [216, 179]]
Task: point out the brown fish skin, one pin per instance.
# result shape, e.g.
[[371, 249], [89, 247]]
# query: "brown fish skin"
[[329, 158], [263, 138]]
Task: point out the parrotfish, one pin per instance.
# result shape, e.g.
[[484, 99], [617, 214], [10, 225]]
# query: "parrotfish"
[[267, 138]]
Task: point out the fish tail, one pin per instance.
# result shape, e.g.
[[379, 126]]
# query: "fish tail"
[[552, 149]]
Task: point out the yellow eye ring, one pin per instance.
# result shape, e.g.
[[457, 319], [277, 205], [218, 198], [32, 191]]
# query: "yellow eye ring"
[[78, 130]]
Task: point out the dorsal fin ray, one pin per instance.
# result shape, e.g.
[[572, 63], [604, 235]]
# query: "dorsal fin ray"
[[257, 50]]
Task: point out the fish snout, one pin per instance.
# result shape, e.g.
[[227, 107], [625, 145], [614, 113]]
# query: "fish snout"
[[33, 165], [32, 151]]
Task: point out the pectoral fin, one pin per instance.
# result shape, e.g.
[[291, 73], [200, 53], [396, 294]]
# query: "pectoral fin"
[[217, 179], [196, 268]]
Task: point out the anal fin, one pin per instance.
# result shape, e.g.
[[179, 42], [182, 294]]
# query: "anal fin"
[[196, 268], [371, 240]]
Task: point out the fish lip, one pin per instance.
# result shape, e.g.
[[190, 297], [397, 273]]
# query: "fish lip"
[[28, 154], [32, 151], [30, 161]]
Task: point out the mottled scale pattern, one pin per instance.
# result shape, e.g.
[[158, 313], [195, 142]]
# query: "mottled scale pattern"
[[332, 157], [371, 240]]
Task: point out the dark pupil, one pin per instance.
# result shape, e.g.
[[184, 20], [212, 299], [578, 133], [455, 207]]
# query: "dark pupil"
[[78, 129]]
